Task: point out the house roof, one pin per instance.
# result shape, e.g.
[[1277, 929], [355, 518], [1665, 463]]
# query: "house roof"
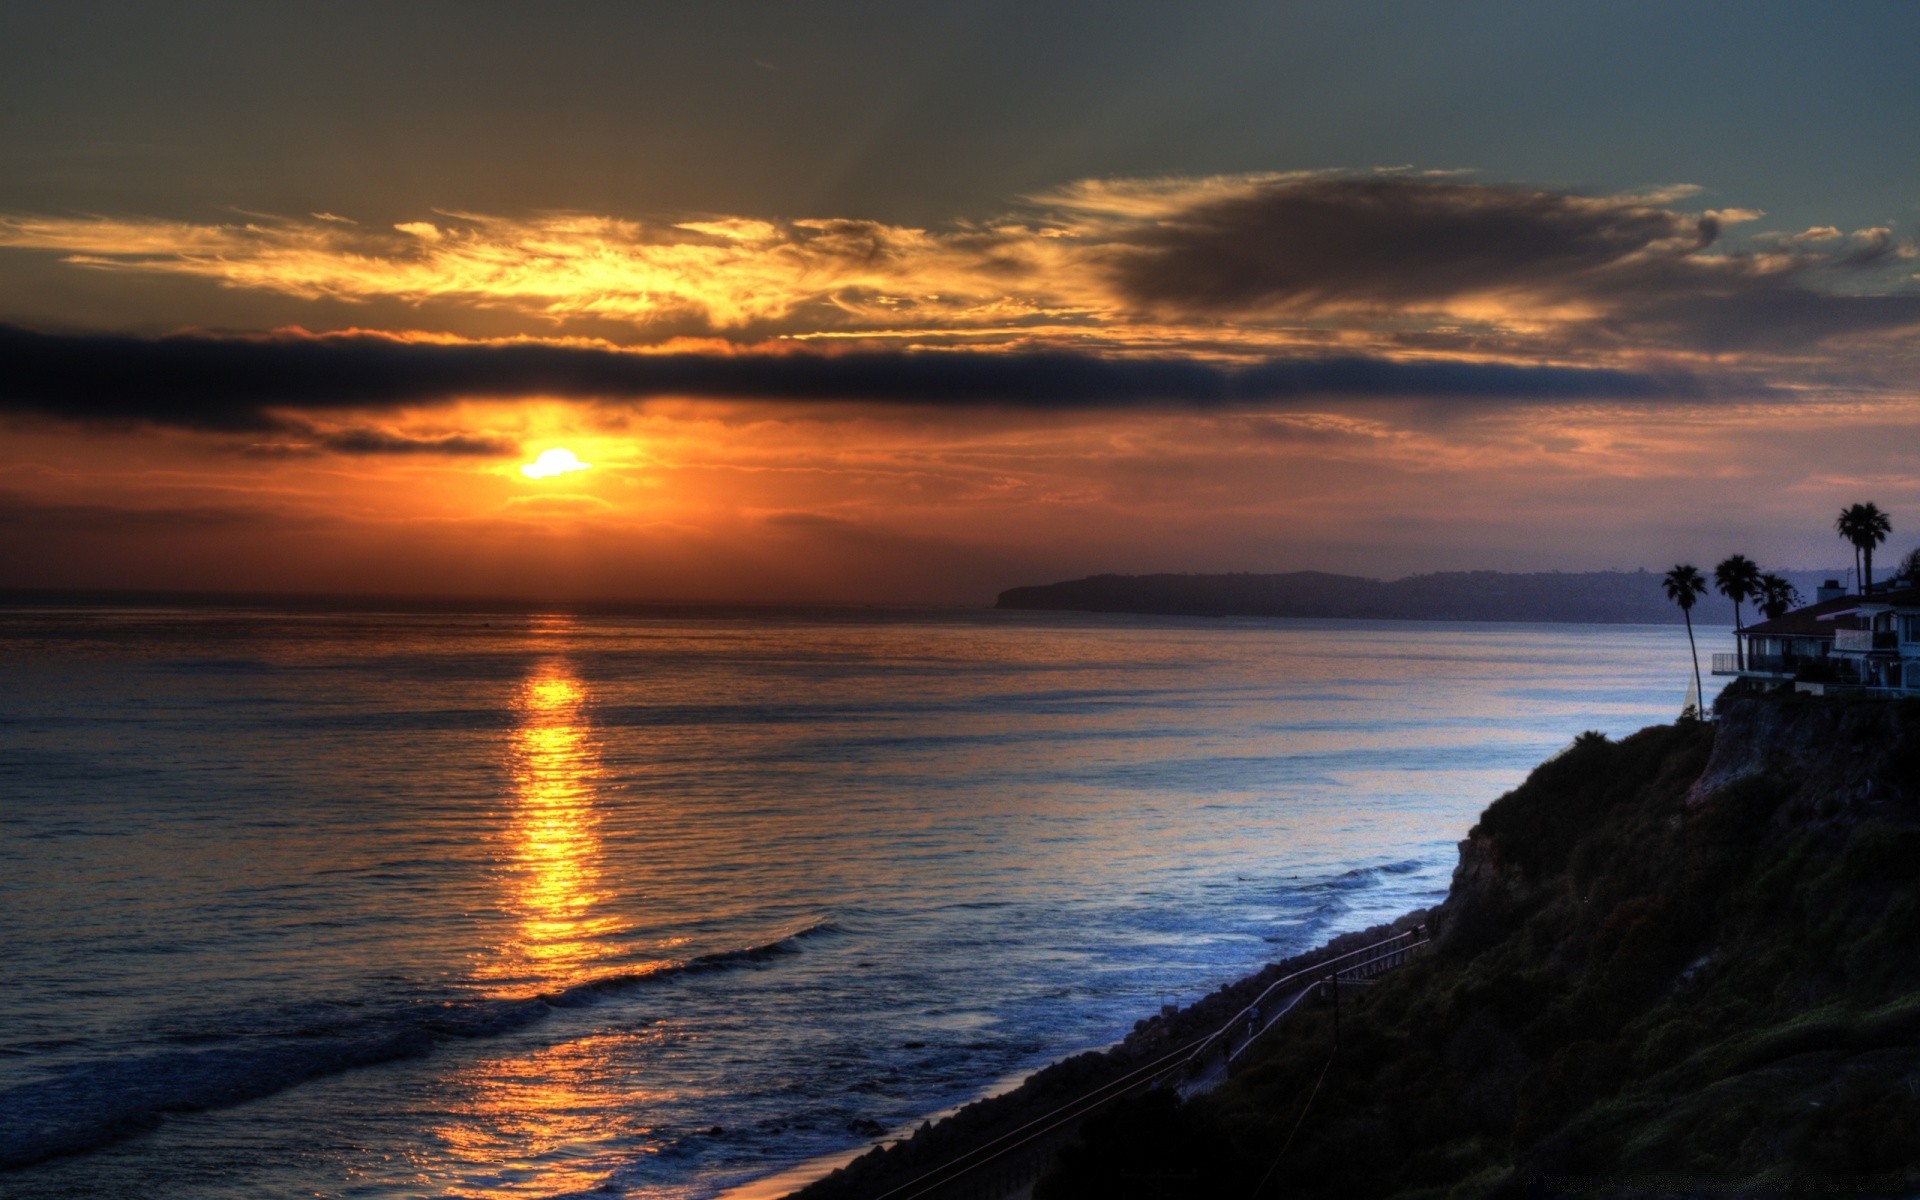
[[1820, 620]]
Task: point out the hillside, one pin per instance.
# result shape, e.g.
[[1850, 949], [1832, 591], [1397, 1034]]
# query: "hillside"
[[1592, 597], [1681, 964]]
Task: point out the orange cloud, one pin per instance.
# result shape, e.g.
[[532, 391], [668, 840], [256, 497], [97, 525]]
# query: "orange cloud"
[[729, 273], [1222, 265]]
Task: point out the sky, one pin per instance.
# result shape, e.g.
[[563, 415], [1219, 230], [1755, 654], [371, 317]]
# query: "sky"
[[913, 302]]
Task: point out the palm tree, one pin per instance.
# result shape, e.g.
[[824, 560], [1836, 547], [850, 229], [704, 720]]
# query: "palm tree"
[[1847, 525], [1684, 584], [1777, 596], [1738, 579], [1866, 527]]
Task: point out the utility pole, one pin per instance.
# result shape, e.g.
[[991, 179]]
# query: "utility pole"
[[1333, 980]]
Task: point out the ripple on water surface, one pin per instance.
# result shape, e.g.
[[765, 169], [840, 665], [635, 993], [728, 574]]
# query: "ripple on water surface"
[[365, 905]]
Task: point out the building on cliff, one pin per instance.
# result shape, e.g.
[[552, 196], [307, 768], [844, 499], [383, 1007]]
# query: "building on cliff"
[[1843, 643]]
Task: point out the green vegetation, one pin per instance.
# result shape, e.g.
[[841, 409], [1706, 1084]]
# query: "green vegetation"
[[1643, 987]]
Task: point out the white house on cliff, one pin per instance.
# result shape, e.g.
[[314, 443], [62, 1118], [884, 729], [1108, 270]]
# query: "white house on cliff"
[[1841, 643]]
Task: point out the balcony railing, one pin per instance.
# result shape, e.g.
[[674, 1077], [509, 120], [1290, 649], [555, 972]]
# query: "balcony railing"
[[1760, 664], [1859, 641], [1869, 673]]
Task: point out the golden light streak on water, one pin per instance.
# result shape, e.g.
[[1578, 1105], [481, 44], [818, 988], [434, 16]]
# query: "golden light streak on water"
[[554, 881], [540, 1123], [530, 1124]]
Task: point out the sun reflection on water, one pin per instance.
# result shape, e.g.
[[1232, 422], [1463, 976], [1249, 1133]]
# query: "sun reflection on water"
[[538, 1121], [554, 885], [548, 1121]]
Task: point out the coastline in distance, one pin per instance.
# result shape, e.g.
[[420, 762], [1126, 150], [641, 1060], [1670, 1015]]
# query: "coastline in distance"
[[1587, 597]]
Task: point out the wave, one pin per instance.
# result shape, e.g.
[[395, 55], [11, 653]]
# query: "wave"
[[1309, 908], [89, 1104], [1355, 876]]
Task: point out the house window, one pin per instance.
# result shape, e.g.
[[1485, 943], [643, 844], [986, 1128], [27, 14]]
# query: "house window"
[[1910, 627]]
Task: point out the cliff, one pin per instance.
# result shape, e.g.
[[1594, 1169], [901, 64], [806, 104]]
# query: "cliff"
[[1681, 964]]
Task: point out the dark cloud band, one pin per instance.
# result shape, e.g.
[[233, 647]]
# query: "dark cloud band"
[[1309, 244], [1405, 246], [249, 384]]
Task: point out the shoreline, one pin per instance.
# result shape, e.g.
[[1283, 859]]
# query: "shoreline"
[[809, 1171], [1021, 1096]]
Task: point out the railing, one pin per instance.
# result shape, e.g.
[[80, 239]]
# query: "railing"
[[1878, 675], [1785, 666], [1249, 1017], [1362, 971], [987, 1169], [1759, 664], [1862, 640]]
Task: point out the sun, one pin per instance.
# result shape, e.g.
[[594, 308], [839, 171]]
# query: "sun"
[[557, 461]]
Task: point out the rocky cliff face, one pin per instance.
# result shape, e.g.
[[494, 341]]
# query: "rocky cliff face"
[[1679, 964], [1830, 764], [1837, 754]]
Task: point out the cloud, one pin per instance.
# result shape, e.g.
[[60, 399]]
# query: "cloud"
[[261, 383], [1871, 247], [1620, 272], [366, 441], [1255, 265], [50, 518], [723, 273], [380, 441], [1316, 244], [560, 502]]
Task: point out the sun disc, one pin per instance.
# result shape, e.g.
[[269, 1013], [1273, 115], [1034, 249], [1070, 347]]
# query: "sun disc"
[[557, 461]]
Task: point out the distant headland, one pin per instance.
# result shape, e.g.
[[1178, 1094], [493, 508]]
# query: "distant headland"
[[1587, 597]]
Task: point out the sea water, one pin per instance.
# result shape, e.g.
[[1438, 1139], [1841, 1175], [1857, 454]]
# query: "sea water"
[[377, 905]]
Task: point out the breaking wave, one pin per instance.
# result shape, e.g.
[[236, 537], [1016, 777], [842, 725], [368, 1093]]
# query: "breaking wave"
[[88, 1104]]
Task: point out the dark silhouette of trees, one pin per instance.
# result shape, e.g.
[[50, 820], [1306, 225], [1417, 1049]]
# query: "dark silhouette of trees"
[[1777, 596], [1909, 567], [1866, 527], [1684, 585], [1738, 579]]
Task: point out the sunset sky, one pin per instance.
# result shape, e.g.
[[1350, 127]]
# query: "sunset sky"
[[916, 302]]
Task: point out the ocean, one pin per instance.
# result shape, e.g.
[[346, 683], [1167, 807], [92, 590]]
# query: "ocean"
[[497, 905]]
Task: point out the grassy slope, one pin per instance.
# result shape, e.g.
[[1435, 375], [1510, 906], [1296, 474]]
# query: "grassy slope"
[[1633, 997]]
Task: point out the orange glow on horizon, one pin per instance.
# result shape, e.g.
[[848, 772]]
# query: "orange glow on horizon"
[[709, 500]]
